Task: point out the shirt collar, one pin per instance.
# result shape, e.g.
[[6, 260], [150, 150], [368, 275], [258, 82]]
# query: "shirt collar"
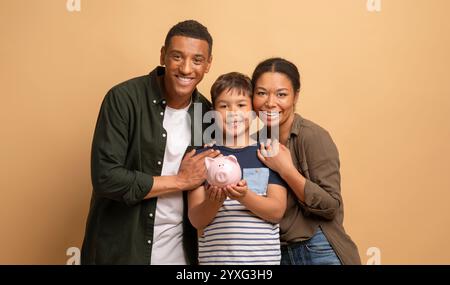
[[296, 125]]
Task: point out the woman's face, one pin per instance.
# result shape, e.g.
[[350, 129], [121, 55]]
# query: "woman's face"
[[274, 98]]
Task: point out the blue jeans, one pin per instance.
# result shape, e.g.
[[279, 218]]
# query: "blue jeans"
[[315, 251]]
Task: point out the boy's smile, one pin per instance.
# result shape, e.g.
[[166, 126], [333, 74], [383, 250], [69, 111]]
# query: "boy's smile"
[[235, 108]]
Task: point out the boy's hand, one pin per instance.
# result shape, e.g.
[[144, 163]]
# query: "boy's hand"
[[215, 193], [237, 192]]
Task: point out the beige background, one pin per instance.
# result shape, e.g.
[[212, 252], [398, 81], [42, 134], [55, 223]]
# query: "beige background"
[[378, 81]]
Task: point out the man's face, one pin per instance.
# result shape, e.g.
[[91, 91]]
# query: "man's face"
[[186, 61]]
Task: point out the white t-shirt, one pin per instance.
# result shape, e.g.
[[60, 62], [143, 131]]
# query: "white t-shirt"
[[168, 229]]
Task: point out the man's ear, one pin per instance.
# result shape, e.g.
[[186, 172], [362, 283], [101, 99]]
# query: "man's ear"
[[208, 63], [162, 56]]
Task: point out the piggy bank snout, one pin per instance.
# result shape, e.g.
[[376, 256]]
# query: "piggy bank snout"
[[221, 177]]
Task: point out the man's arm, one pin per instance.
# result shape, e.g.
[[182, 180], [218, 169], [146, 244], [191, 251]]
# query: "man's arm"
[[192, 174], [111, 179]]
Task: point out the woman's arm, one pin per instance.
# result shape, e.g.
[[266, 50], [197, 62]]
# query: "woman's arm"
[[270, 207], [203, 205], [320, 194]]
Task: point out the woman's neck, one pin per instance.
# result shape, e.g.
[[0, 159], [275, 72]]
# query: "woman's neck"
[[285, 130]]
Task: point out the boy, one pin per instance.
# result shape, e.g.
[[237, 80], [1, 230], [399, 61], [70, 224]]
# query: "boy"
[[238, 223]]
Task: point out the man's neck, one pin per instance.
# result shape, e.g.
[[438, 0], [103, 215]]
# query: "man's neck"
[[173, 100]]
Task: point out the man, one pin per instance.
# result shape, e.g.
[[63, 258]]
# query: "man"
[[138, 212]]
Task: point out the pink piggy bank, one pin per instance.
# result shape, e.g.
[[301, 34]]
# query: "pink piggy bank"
[[223, 170]]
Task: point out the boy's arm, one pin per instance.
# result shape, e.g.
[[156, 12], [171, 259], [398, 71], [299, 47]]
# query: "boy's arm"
[[270, 208], [203, 205]]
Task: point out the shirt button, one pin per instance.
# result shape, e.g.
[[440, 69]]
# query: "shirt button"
[[149, 241], [150, 215], [154, 101], [164, 135], [162, 113], [159, 162]]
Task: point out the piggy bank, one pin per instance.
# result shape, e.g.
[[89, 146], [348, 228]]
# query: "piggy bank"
[[223, 170]]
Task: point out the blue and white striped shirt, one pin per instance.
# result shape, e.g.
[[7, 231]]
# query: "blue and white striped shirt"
[[236, 236]]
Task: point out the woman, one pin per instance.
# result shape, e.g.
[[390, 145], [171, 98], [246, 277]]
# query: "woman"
[[307, 159]]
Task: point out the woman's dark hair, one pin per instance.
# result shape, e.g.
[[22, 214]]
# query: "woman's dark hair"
[[229, 81], [190, 29], [281, 65]]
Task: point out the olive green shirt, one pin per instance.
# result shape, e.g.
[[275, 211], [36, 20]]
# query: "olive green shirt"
[[127, 151], [316, 157]]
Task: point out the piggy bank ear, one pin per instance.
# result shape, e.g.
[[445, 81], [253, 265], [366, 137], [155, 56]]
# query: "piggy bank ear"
[[232, 158], [208, 161]]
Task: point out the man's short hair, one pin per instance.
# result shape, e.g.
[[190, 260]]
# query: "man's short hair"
[[190, 29]]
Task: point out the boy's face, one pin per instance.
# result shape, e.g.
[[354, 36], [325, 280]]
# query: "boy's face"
[[235, 108]]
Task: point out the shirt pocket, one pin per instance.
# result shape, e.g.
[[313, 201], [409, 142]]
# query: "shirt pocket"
[[257, 179]]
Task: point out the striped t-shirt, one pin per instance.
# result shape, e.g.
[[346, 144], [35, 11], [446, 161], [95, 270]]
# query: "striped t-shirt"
[[236, 236]]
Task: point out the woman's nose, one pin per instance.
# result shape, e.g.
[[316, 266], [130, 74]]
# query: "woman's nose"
[[271, 101]]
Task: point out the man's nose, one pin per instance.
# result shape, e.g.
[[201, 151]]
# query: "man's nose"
[[185, 67]]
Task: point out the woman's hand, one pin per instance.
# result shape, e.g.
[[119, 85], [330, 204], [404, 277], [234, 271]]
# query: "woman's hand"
[[275, 156], [237, 192]]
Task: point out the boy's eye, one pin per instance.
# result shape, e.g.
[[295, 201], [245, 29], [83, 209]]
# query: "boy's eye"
[[242, 105], [176, 56], [222, 106]]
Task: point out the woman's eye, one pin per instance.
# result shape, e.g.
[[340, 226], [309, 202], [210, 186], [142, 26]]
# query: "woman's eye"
[[282, 94], [261, 93], [176, 57]]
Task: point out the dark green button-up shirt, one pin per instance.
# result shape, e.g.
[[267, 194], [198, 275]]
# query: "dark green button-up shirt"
[[127, 151]]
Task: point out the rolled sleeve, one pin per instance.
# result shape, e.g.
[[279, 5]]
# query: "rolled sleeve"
[[322, 187], [110, 177]]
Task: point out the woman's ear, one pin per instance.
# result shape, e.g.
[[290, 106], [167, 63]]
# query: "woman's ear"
[[296, 95]]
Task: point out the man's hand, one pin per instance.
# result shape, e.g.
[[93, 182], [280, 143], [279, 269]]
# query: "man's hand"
[[237, 192], [192, 172]]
